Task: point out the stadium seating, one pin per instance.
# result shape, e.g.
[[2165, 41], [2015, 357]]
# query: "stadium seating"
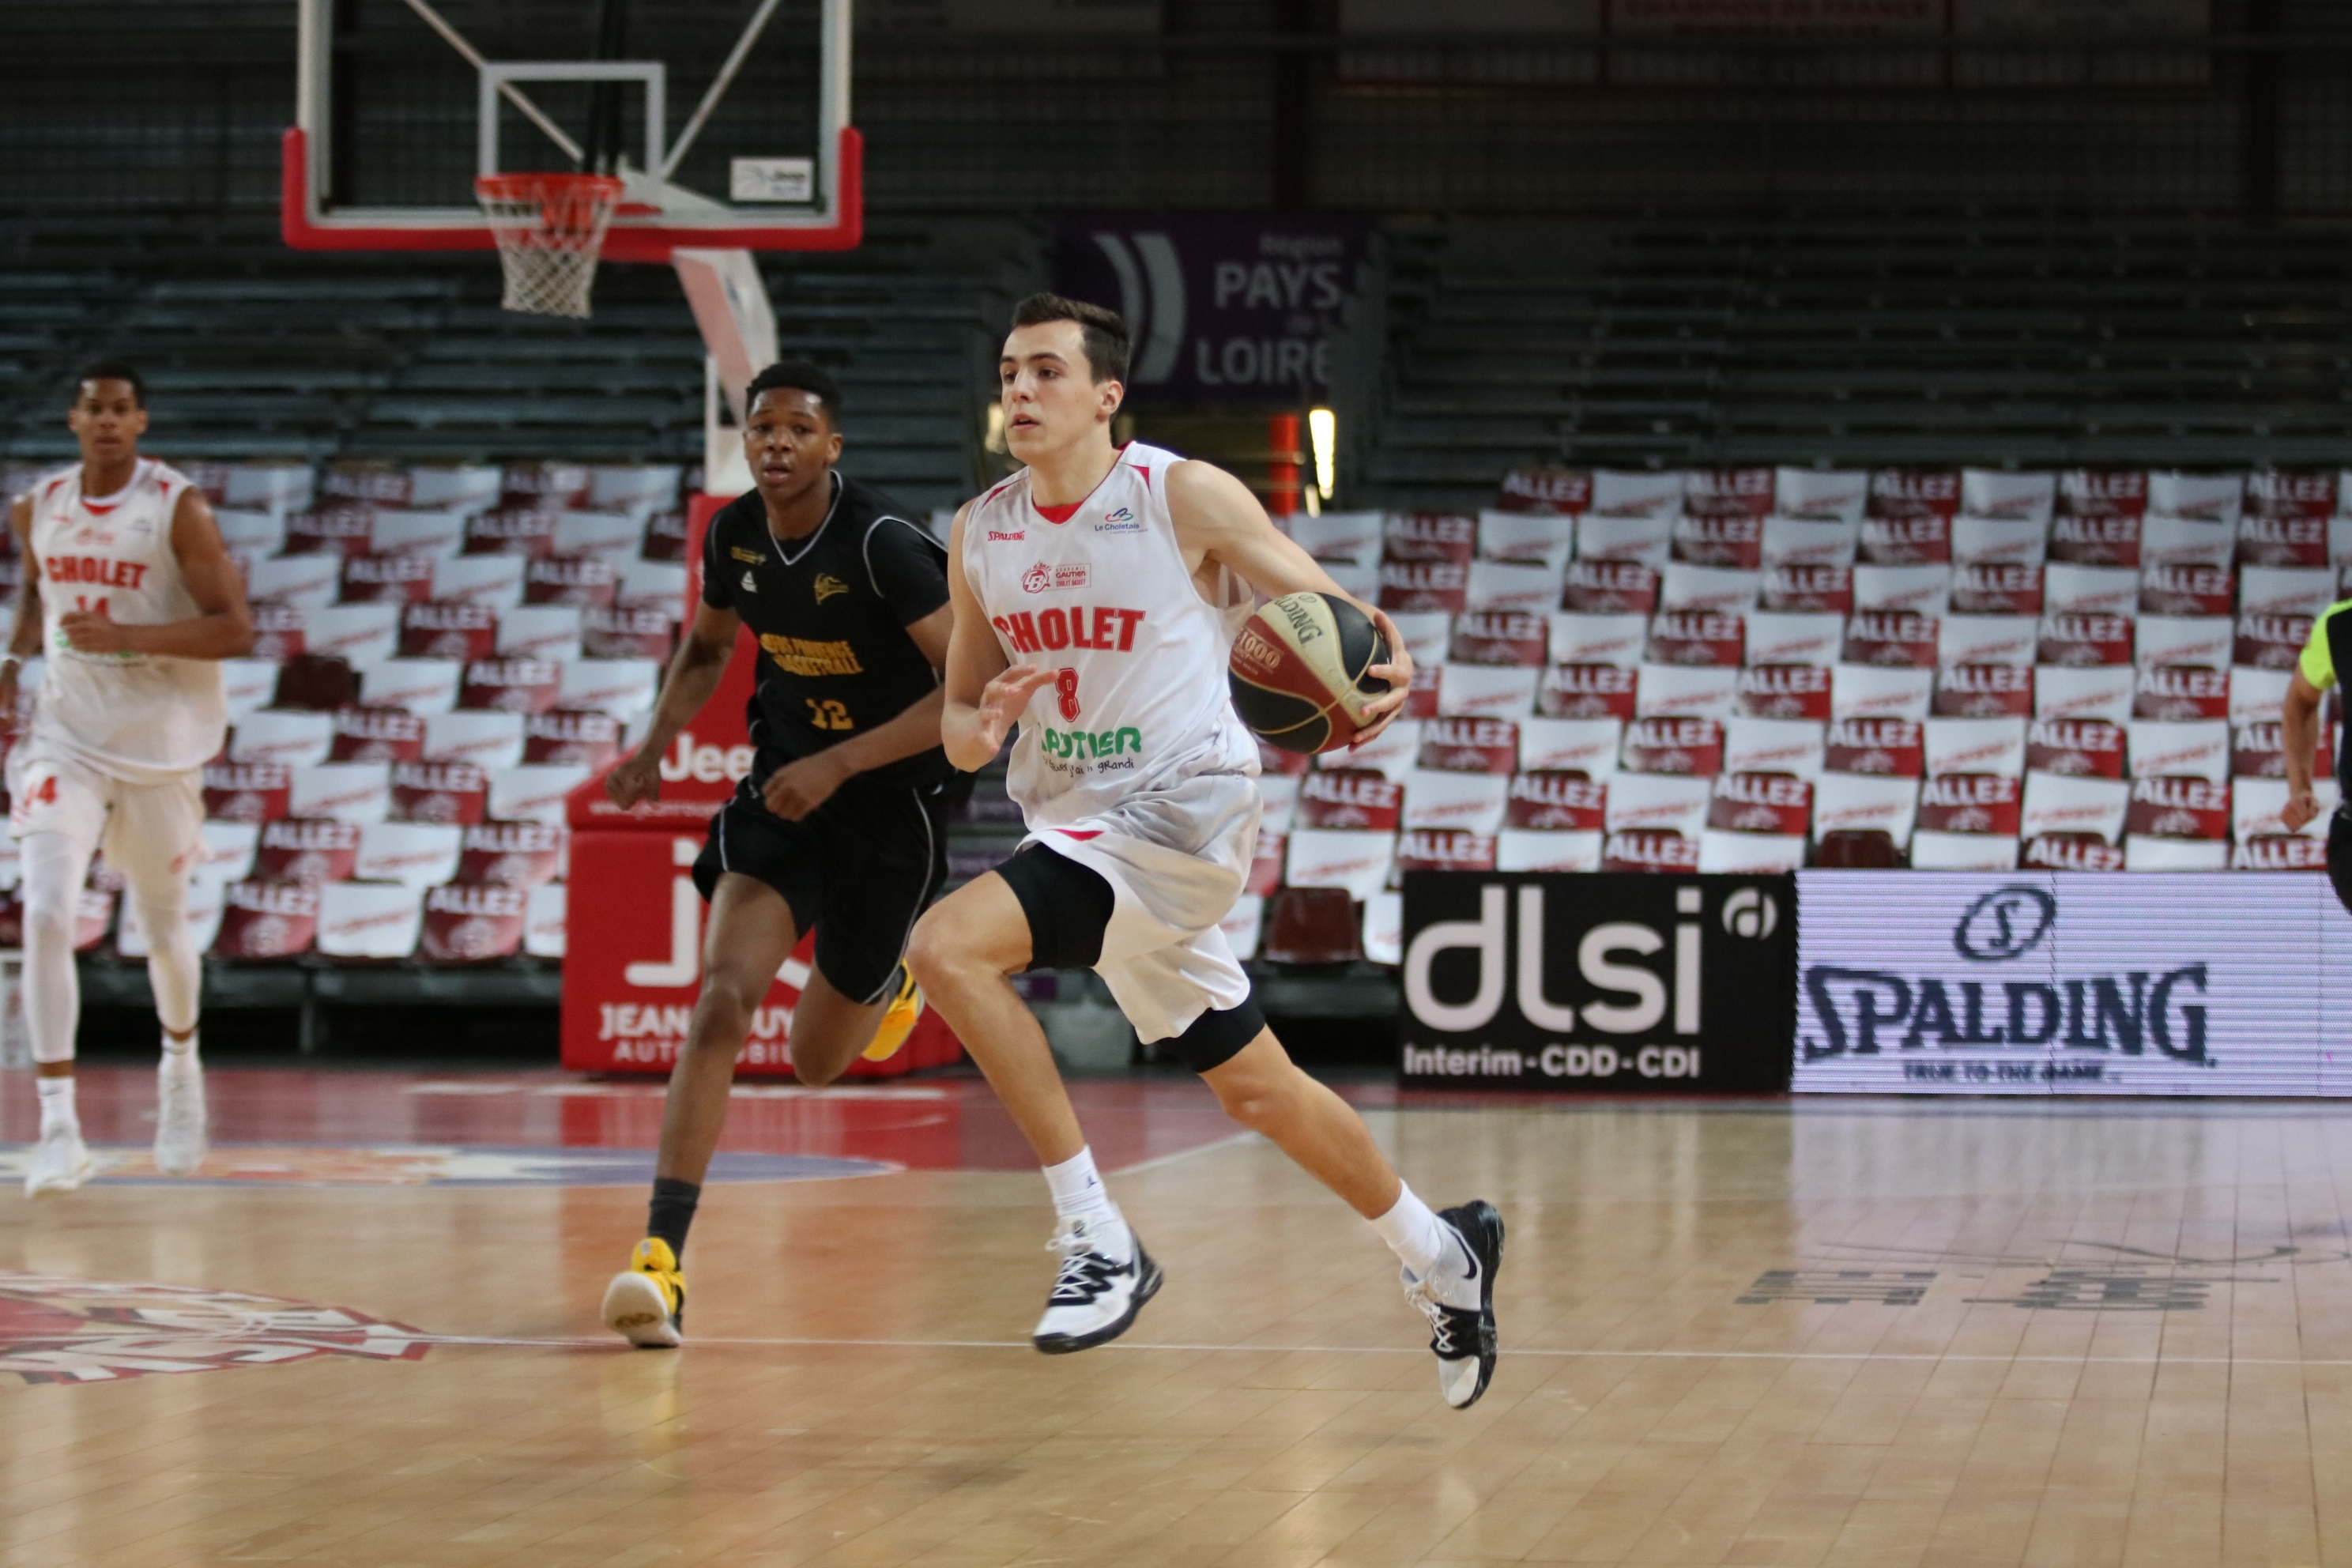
[[1857, 341], [1753, 670], [252, 351]]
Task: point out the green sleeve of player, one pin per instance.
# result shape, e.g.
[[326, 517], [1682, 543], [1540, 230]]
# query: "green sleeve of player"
[[2318, 667]]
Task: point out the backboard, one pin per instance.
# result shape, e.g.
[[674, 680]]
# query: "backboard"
[[728, 120]]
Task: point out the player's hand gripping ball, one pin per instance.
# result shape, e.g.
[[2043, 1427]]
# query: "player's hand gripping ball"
[[1299, 672]]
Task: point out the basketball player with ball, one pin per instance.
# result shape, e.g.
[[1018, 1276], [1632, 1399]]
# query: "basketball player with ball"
[[1096, 595]]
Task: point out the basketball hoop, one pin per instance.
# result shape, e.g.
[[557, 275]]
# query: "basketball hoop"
[[549, 229]]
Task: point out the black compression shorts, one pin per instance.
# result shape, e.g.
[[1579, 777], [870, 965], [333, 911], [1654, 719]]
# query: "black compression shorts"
[[1068, 908]]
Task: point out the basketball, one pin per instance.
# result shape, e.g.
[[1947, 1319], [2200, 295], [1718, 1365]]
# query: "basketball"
[[1298, 671]]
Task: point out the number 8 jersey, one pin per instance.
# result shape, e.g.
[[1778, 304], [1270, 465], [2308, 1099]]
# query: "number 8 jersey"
[[1099, 593], [141, 717]]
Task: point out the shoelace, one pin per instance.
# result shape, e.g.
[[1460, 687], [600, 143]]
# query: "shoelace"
[[1422, 1294], [1085, 1273]]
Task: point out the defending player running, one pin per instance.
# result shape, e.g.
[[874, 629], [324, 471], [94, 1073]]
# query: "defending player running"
[[838, 825], [1096, 594], [133, 601], [2318, 667]]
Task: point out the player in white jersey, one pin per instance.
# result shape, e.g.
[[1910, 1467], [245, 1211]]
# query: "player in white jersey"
[[1096, 595], [132, 601]]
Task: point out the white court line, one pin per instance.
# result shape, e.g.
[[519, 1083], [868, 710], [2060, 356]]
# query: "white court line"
[[613, 1343], [1244, 1136]]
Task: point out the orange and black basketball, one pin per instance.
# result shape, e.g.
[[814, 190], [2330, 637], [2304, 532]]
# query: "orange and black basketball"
[[1298, 671]]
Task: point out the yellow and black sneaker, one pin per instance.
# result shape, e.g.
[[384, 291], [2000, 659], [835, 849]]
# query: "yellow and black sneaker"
[[899, 1021], [646, 1303]]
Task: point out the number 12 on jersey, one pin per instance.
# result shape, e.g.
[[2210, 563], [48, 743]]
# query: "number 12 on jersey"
[[828, 714]]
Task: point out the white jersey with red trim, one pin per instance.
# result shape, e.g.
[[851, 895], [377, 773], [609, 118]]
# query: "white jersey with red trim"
[[143, 718], [1140, 701]]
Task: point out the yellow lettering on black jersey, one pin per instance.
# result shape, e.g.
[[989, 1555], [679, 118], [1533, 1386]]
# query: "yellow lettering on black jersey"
[[798, 656], [751, 557]]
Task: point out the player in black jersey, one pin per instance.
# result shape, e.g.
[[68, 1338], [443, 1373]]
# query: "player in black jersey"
[[837, 827]]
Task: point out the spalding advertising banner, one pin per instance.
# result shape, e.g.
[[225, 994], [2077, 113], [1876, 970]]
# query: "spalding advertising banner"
[[1598, 982], [2019, 983]]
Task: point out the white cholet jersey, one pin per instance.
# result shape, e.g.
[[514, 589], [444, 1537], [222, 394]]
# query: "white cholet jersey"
[[1139, 702], [141, 717]]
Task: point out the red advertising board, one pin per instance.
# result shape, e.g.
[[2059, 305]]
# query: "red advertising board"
[[632, 964]]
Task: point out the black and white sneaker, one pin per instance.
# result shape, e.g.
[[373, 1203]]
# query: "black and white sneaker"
[[1095, 1296], [1463, 1334]]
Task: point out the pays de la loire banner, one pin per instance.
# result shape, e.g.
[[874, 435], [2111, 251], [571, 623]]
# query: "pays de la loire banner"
[[1223, 308], [2077, 982], [1598, 982]]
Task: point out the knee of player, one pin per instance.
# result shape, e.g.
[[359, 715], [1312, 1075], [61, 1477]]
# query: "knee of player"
[[157, 915], [1256, 1107], [817, 1075], [51, 917], [1258, 1099], [938, 950], [723, 1014]]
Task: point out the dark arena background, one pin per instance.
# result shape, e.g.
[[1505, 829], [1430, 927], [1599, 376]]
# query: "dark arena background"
[[1865, 486]]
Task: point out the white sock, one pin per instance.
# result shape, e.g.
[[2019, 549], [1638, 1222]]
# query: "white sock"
[[180, 1055], [1079, 1194], [57, 1106], [1421, 1241]]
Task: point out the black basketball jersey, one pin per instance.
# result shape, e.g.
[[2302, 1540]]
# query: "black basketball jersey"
[[830, 612]]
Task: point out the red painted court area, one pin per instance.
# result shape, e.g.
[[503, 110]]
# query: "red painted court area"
[[945, 1124]]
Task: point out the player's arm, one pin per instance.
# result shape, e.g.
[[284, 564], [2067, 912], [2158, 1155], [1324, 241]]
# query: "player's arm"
[[694, 674], [985, 694], [25, 636], [222, 626], [2300, 723], [2314, 672], [802, 785], [1218, 519]]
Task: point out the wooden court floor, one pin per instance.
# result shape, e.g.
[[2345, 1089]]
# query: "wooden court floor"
[[1865, 1332]]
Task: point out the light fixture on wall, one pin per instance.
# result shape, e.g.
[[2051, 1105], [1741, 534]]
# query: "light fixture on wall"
[[1323, 436]]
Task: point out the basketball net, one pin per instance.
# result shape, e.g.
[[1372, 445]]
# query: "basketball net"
[[549, 228]]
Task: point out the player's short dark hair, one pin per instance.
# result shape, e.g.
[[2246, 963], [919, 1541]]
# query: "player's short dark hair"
[[1102, 333], [798, 375], [112, 370]]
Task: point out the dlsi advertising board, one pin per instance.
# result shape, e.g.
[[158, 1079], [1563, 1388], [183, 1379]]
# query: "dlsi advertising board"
[[2140, 983], [1598, 982]]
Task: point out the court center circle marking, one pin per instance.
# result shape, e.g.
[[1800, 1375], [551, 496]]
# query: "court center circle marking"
[[54, 1328]]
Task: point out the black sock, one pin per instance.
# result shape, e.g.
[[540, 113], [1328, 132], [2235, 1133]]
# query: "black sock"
[[672, 1211]]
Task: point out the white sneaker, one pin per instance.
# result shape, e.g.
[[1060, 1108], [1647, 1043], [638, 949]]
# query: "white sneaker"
[[1096, 1294], [179, 1114], [60, 1165], [1459, 1302]]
